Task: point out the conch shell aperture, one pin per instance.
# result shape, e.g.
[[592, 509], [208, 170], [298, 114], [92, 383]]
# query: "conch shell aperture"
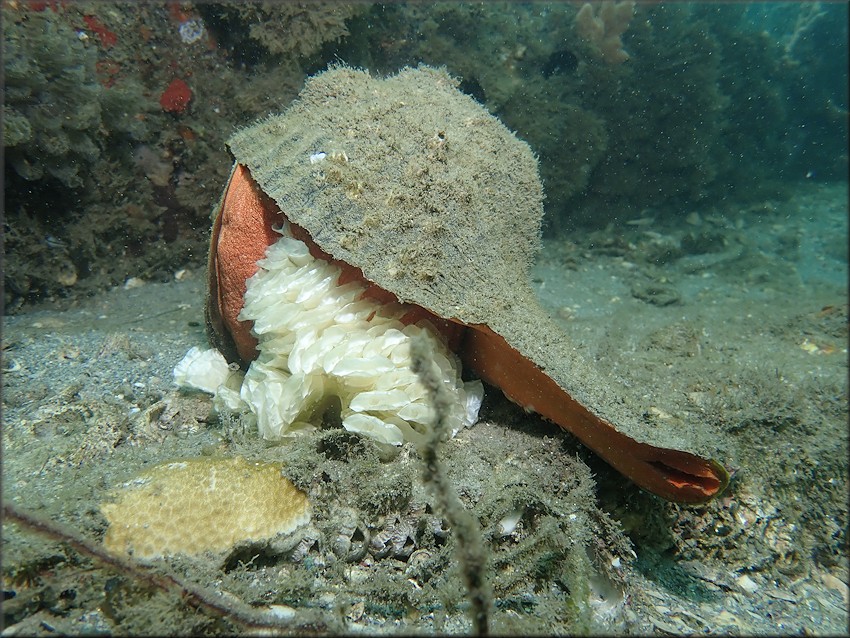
[[414, 187]]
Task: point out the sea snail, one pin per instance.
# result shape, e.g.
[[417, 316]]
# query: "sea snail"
[[412, 191]]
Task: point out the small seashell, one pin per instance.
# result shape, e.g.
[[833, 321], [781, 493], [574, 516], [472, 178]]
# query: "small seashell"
[[747, 584], [508, 524], [134, 282]]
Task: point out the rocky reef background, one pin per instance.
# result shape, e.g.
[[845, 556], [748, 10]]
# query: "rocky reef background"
[[116, 114]]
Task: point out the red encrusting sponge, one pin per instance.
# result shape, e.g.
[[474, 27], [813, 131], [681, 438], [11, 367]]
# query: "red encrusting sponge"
[[175, 98]]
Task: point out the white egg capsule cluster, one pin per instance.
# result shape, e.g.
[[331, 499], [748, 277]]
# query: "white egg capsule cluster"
[[323, 345]]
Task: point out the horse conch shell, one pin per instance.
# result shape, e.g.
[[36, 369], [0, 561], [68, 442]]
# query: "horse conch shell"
[[414, 188]]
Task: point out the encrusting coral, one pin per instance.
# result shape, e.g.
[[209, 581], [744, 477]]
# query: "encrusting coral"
[[202, 504]]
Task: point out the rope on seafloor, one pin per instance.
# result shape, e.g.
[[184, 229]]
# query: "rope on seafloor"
[[471, 552]]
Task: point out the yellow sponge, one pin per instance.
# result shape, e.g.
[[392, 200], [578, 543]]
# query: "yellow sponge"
[[202, 504]]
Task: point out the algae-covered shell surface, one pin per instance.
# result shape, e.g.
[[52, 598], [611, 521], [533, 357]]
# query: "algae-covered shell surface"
[[408, 179], [436, 201]]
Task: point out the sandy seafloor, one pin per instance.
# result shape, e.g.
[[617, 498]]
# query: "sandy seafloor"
[[733, 317]]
